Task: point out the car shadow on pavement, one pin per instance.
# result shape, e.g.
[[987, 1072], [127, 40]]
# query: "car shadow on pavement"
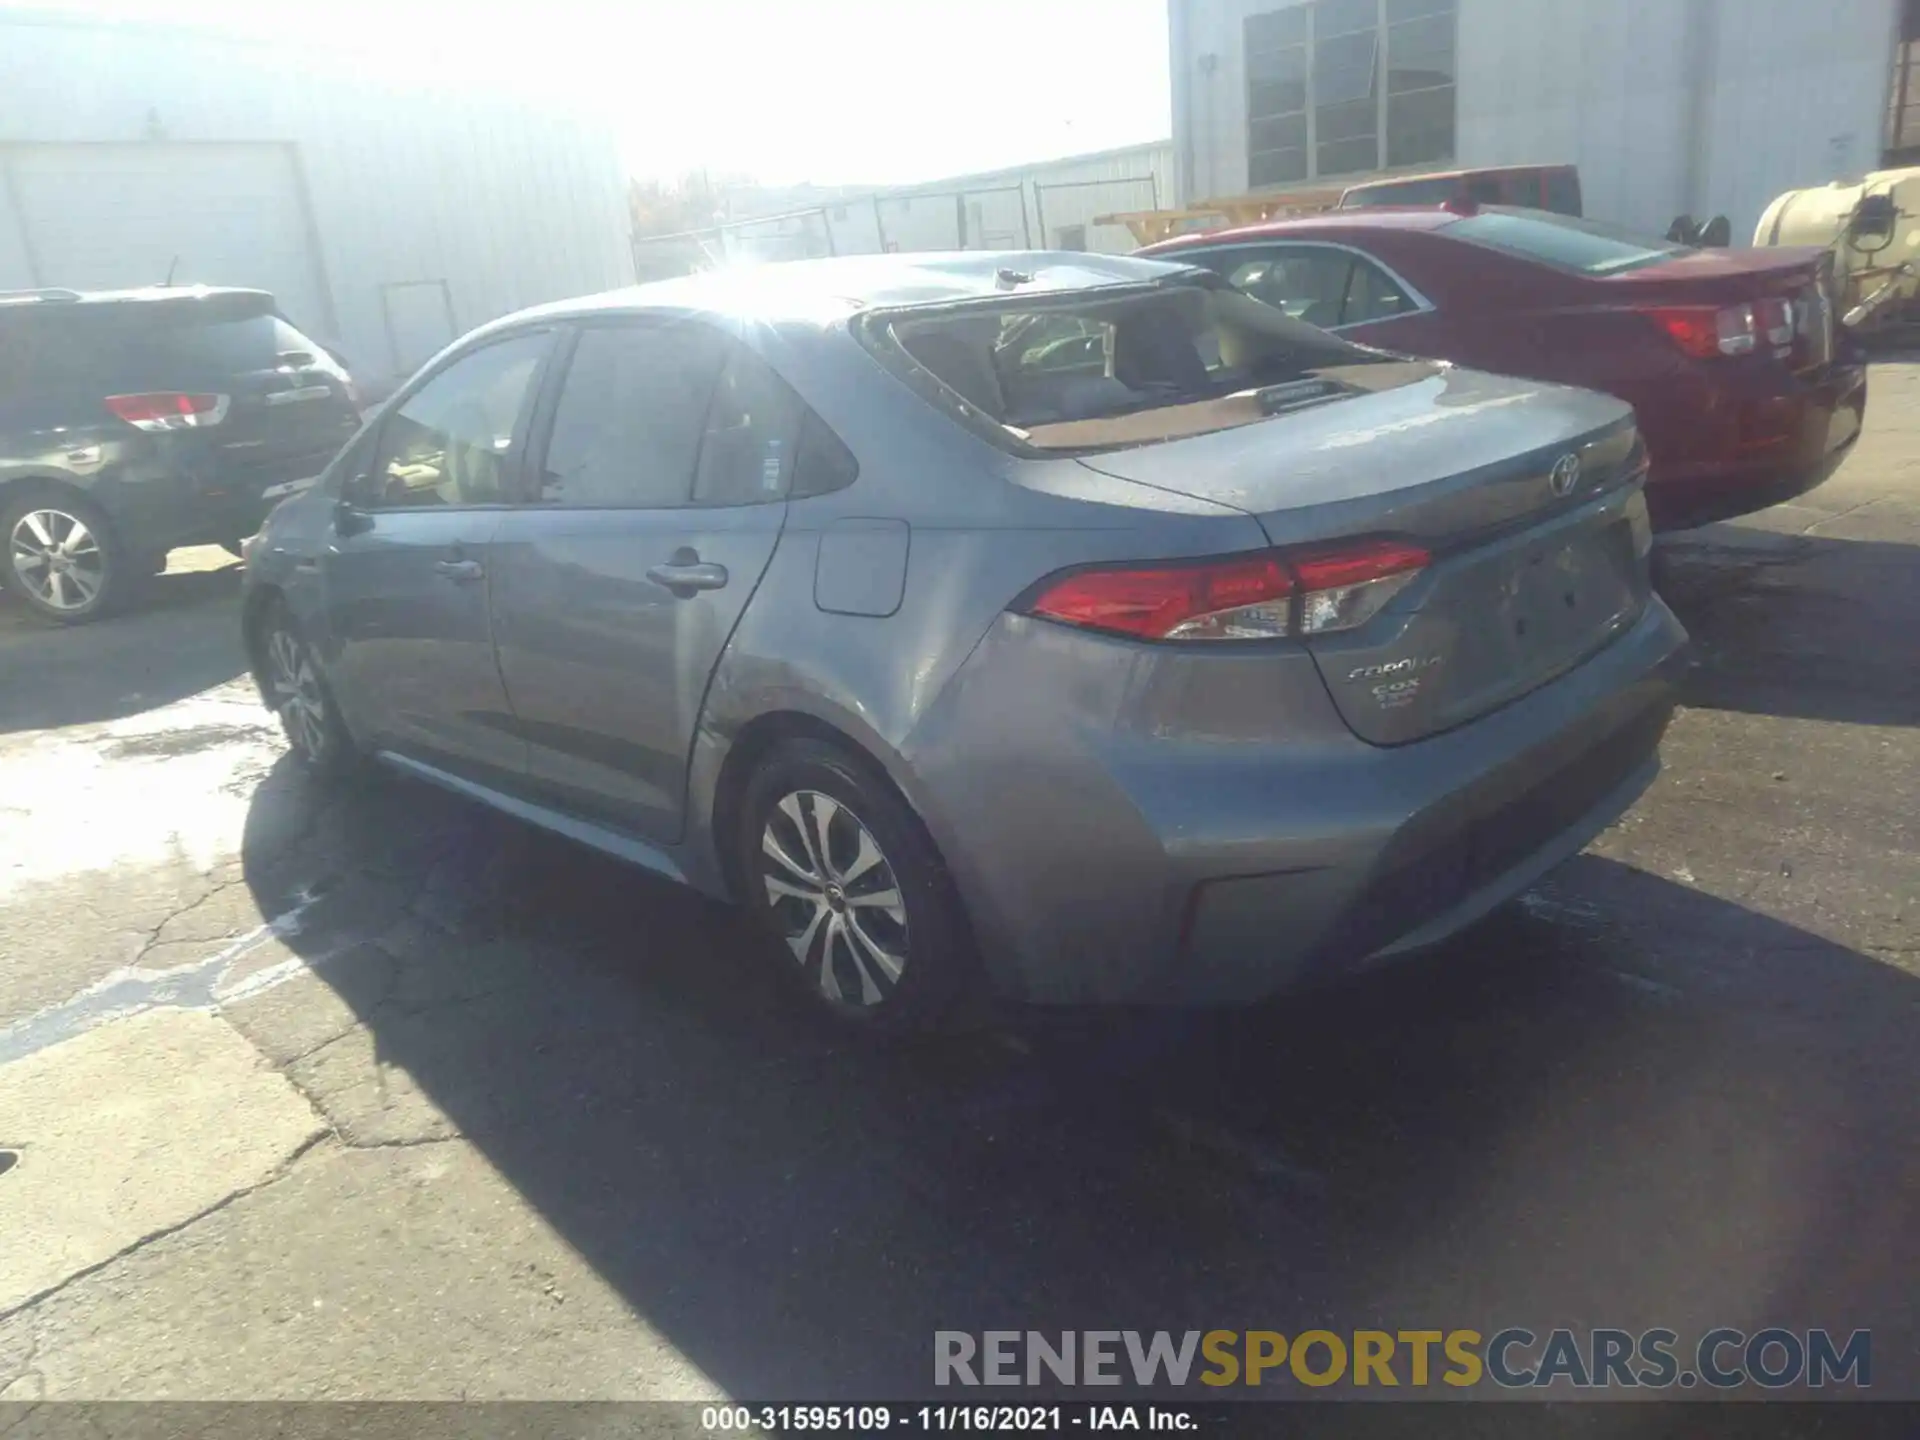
[[1798, 625], [1621, 1103], [181, 636]]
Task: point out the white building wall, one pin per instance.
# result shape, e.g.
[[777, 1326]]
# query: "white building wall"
[[1048, 205], [1798, 100], [506, 204], [1600, 84], [1667, 106]]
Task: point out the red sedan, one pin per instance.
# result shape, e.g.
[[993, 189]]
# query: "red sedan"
[[1747, 391]]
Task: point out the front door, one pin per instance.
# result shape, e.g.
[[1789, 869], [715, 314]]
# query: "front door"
[[410, 567], [652, 514]]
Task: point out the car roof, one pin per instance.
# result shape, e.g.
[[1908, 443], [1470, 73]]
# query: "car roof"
[[142, 295], [1474, 171], [1423, 217], [824, 291]]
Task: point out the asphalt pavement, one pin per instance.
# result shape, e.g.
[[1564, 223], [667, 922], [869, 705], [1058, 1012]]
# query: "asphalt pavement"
[[372, 1094]]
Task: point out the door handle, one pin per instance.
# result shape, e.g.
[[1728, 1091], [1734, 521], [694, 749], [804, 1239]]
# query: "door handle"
[[688, 577], [461, 572]]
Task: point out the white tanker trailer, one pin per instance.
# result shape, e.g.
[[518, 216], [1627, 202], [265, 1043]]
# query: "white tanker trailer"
[[1871, 228]]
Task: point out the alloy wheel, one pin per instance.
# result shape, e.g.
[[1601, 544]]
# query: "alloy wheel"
[[834, 898], [58, 559], [297, 696]]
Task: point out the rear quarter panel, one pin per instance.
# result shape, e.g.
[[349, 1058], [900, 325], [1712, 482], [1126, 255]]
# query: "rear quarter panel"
[[982, 526]]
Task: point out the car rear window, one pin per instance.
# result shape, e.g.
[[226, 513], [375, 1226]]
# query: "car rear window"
[[230, 346], [152, 344], [1563, 242], [1411, 192], [1121, 366]]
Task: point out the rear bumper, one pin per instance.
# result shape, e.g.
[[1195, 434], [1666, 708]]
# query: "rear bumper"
[[233, 505], [1782, 444], [1125, 867], [182, 498]]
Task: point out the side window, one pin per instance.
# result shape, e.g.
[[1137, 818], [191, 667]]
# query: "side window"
[[449, 443], [824, 463], [627, 428], [1563, 192], [752, 435], [1308, 284], [1373, 296]]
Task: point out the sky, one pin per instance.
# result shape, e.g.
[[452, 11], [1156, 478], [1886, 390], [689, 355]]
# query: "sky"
[[837, 92]]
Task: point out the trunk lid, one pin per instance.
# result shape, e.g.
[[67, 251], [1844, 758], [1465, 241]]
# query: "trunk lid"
[[1798, 275], [1528, 576], [1723, 274], [290, 405]]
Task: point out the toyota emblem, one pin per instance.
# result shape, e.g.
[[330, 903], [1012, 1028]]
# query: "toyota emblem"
[[1565, 474]]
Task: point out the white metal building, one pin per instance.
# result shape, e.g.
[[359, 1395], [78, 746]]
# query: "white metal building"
[[1668, 107], [1048, 205], [386, 221]]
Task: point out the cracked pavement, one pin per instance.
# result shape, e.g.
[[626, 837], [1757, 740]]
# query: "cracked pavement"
[[370, 1094]]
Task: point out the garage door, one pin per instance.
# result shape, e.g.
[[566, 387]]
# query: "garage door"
[[93, 217]]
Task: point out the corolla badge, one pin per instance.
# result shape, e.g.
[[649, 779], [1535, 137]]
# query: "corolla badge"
[[1396, 667], [1565, 474], [1399, 680]]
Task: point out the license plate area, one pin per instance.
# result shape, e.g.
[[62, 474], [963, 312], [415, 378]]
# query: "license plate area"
[[1561, 593], [1487, 625], [1544, 608]]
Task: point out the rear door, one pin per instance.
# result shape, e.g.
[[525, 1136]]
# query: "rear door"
[[408, 571], [652, 510]]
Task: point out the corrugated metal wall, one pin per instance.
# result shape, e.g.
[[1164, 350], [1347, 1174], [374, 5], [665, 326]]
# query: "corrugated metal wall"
[[1667, 106], [1049, 205], [507, 205]]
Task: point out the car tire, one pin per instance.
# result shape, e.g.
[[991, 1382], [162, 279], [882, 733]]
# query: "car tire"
[[848, 845], [61, 557], [296, 691]]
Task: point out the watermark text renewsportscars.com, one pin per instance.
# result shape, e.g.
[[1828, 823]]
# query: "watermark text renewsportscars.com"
[[1773, 1358]]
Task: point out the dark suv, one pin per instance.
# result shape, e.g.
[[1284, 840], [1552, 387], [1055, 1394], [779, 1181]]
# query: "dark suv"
[[135, 421]]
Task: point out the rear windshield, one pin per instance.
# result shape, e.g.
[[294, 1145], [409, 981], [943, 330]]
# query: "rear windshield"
[[1411, 192], [152, 344], [1563, 242], [1103, 370], [228, 346]]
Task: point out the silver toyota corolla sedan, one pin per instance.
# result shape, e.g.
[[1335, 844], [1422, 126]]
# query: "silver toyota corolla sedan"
[[1069, 624]]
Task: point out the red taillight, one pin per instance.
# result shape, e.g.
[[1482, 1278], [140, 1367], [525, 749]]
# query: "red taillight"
[[1246, 598], [1170, 602], [1704, 331], [169, 410]]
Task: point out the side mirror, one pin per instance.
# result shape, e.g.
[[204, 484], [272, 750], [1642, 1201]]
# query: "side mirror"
[[347, 518], [1872, 225]]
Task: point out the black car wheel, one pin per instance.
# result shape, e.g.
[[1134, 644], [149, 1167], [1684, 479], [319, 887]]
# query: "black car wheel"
[[63, 557], [297, 692], [836, 865]]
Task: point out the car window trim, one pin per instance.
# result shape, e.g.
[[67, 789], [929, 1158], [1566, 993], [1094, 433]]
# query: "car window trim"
[[515, 460], [1421, 304]]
